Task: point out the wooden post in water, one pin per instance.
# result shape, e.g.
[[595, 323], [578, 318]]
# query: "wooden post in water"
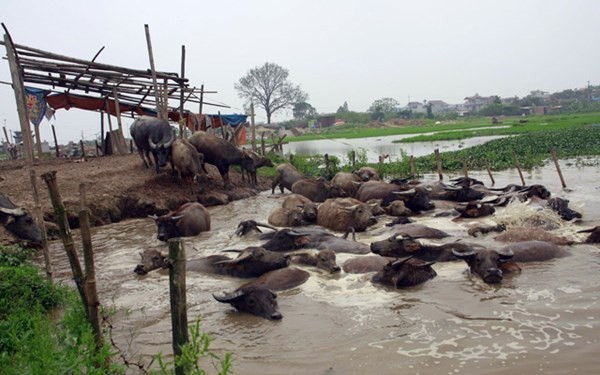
[[439, 163], [489, 171], [178, 297], [262, 143], [412, 166], [353, 159], [327, 167], [90, 271], [66, 236], [82, 150], [39, 216], [518, 168], [465, 170], [562, 180]]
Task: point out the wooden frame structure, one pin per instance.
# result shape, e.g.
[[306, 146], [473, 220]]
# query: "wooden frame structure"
[[138, 91]]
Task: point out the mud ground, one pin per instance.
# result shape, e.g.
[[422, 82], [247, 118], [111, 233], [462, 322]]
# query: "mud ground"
[[117, 188]]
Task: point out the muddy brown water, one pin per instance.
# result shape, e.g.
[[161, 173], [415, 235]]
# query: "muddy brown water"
[[544, 320]]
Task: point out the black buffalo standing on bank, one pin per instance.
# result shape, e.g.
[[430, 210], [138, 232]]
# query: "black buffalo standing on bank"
[[154, 135], [188, 220], [221, 154], [18, 222]]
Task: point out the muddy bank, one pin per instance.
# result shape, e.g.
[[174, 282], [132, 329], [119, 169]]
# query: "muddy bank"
[[117, 188]]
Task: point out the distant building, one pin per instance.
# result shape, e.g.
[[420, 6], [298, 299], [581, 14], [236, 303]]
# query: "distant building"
[[539, 94], [325, 121], [438, 106], [416, 107], [476, 102]]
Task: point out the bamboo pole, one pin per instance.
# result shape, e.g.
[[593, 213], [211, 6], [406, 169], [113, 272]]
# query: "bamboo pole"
[[353, 159], [518, 166], [90, 271], [262, 143], [38, 141], [181, 93], [55, 142], [65, 235], [201, 103], [37, 209], [562, 180], [152, 68], [112, 144], [102, 135], [6, 134], [19, 91], [82, 150], [253, 127], [465, 170], [178, 297], [165, 100], [412, 166], [439, 163], [117, 109], [327, 166], [489, 171]]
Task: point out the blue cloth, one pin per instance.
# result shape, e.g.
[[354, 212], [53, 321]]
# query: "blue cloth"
[[232, 120], [36, 104]]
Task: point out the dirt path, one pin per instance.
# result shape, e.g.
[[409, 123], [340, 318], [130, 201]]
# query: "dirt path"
[[117, 187]]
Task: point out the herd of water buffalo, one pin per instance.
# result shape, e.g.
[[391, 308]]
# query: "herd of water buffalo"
[[303, 229], [314, 222]]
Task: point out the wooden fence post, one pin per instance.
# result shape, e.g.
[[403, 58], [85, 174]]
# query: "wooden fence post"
[[65, 235], [40, 220], [562, 180], [439, 163], [412, 166], [178, 297], [327, 167], [518, 166], [489, 171], [90, 271]]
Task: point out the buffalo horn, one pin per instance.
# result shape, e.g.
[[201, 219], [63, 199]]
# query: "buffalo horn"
[[451, 188], [13, 211], [232, 251], [229, 297], [463, 254], [293, 233], [170, 141], [587, 230], [397, 263], [175, 218], [505, 254], [152, 144], [265, 226], [153, 217], [407, 192], [427, 264]]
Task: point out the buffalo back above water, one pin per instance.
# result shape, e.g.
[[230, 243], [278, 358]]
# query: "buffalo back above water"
[[403, 273], [342, 214], [188, 220], [285, 176], [317, 190]]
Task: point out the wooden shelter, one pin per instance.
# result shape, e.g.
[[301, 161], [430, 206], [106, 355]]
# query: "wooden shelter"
[[86, 84]]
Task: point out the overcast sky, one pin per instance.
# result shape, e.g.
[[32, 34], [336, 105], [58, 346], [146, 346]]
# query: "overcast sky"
[[337, 51]]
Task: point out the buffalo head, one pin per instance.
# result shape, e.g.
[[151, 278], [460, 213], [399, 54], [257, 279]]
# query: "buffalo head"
[[253, 262], [166, 226], [18, 222], [161, 150], [151, 260], [257, 301], [396, 246], [404, 273], [485, 263], [286, 239]]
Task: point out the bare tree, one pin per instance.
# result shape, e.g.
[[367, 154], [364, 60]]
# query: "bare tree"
[[269, 88]]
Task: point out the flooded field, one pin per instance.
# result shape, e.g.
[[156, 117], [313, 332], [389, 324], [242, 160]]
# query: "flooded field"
[[545, 320]]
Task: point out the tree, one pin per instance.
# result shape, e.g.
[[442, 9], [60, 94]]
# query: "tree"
[[343, 108], [384, 105], [269, 88], [304, 110]]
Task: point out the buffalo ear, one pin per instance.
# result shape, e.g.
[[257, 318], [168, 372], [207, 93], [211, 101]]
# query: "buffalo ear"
[[176, 218], [9, 220], [154, 217], [229, 297]]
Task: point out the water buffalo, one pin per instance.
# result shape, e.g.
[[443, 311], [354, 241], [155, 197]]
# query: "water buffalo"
[[251, 226], [413, 230], [561, 206], [490, 264], [323, 259], [315, 238], [251, 262], [478, 230], [368, 174], [18, 222], [403, 273], [366, 263], [379, 190], [283, 217], [474, 209], [188, 220], [258, 161], [594, 236], [154, 135], [187, 162], [308, 208], [317, 190], [257, 297], [285, 176], [402, 246], [221, 154], [519, 234], [343, 214], [348, 182], [462, 193]]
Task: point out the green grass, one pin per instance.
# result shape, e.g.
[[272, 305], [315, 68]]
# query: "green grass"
[[455, 129]]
